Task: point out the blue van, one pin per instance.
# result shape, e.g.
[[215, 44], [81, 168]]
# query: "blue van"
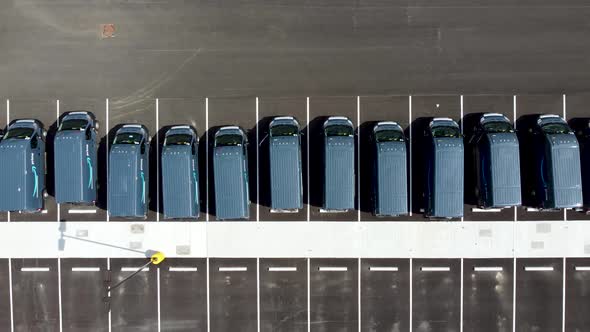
[[339, 172], [22, 167], [497, 159], [230, 170], [286, 183], [75, 151], [558, 177], [390, 181], [444, 169], [180, 174], [129, 172]]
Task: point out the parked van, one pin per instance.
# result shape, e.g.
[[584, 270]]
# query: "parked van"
[[285, 165], [75, 150], [390, 188], [497, 161], [444, 169], [339, 186], [180, 173], [558, 176], [230, 168], [22, 167], [129, 172]]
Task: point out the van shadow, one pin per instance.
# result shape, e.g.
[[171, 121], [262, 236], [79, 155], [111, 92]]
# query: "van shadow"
[[105, 144], [210, 134], [264, 160], [367, 169], [204, 170], [419, 161], [469, 123], [581, 128], [156, 172], [529, 170], [252, 164], [50, 157], [316, 163]]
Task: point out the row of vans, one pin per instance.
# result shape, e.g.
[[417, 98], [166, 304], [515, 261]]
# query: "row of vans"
[[494, 143]]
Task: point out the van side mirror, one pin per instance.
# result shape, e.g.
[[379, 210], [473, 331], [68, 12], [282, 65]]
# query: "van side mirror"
[[34, 142], [142, 148], [193, 148], [88, 134]]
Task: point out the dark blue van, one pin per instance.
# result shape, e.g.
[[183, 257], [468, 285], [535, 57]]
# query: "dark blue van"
[[230, 170], [22, 167], [285, 165], [444, 169], [558, 174], [339, 172], [497, 160], [180, 173], [129, 172], [75, 151], [390, 181]]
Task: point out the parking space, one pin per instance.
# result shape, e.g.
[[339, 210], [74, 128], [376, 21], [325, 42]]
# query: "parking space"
[[283, 294], [183, 294], [43, 110], [232, 286], [334, 294], [578, 117], [84, 303], [373, 110], [137, 111], [268, 108], [487, 294], [75, 212], [539, 294], [424, 109], [35, 294], [185, 112], [528, 107], [436, 294], [134, 304], [234, 112], [385, 294], [577, 297], [4, 295], [320, 108], [473, 108]]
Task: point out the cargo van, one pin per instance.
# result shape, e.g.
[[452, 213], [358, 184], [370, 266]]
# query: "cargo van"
[[129, 172], [22, 167], [339, 186], [497, 162], [390, 188], [444, 169], [285, 165], [558, 175], [180, 174], [75, 151], [230, 168]]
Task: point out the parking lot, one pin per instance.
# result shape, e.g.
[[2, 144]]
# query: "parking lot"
[[253, 114], [294, 294]]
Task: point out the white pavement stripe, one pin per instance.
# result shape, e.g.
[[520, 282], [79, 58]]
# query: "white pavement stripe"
[[159, 306], [34, 269], [10, 295], [462, 266], [565, 118], [7, 123], [82, 211], [208, 299], [462, 217], [60, 303], [358, 162], [538, 268], [58, 217], [514, 291], [488, 269], [85, 269], [109, 292], [308, 284], [307, 142], [133, 269], [207, 181], [257, 277], [182, 269], [332, 268], [233, 269], [257, 174], [282, 269], [582, 268], [157, 165], [563, 288], [435, 269], [479, 210], [107, 162], [410, 146], [359, 293], [411, 292], [383, 268]]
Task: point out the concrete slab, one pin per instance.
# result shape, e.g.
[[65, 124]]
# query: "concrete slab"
[[5, 319], [577, 297]]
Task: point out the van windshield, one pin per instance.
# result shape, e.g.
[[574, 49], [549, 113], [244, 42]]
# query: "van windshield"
[[229, 140], [555, 128], [338, 130], [127, 138], [178, 139], [19, 133], [498, 127], [73, 124], [389, 136], [446, 131], [283, 130]]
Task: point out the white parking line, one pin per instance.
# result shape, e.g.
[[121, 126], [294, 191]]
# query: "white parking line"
[[563, 291], [34, 269], [308, 286], [565, 118], [107, 159], [332, 268], [514, 290], [10, 294], [514, 124], [307, 139], [158, 294], [7, 123], [182, 269], [488, 269], [358, 162], [85, 269], [538, 268], [57, 121], [435, 269], [109, 292], [257, 274], [208, 296], [480, 210], [158, 167], [582, 268], [359, 290], [82, 211], [257, 175], [282, 269], [383, 268], [207, 187], [411, 291], [133, 269], [59, 294], [410, 146], [233, 269], [461, 303], [462, 217]]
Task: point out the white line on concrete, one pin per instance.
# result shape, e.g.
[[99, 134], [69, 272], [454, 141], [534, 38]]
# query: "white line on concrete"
[[514, 290], [582, 268], [282, 269], [435, 269], [133, 269], [59, 294], [208, 295], [182, 269], [7, 123], [109, 292], [10, 294], [410, 146], [532, 209], [107, 159], [308, 134], [358, 163], [34, 269], [383, 268], [462, 265], [257, 273], [538, 268], [563, 288], [233, 269], [565, 118], [158, 294], [207, 188], [411, 292], [514, 124], [462, 217], [480, 210], [57, 121], [332, 268], [85, 269], [359, 293], [257, 174], [308, 279], [82, 211], [157, 167], [488, 269]]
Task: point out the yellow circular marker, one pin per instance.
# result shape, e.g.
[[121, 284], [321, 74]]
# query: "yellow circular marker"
[[158, 258]]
